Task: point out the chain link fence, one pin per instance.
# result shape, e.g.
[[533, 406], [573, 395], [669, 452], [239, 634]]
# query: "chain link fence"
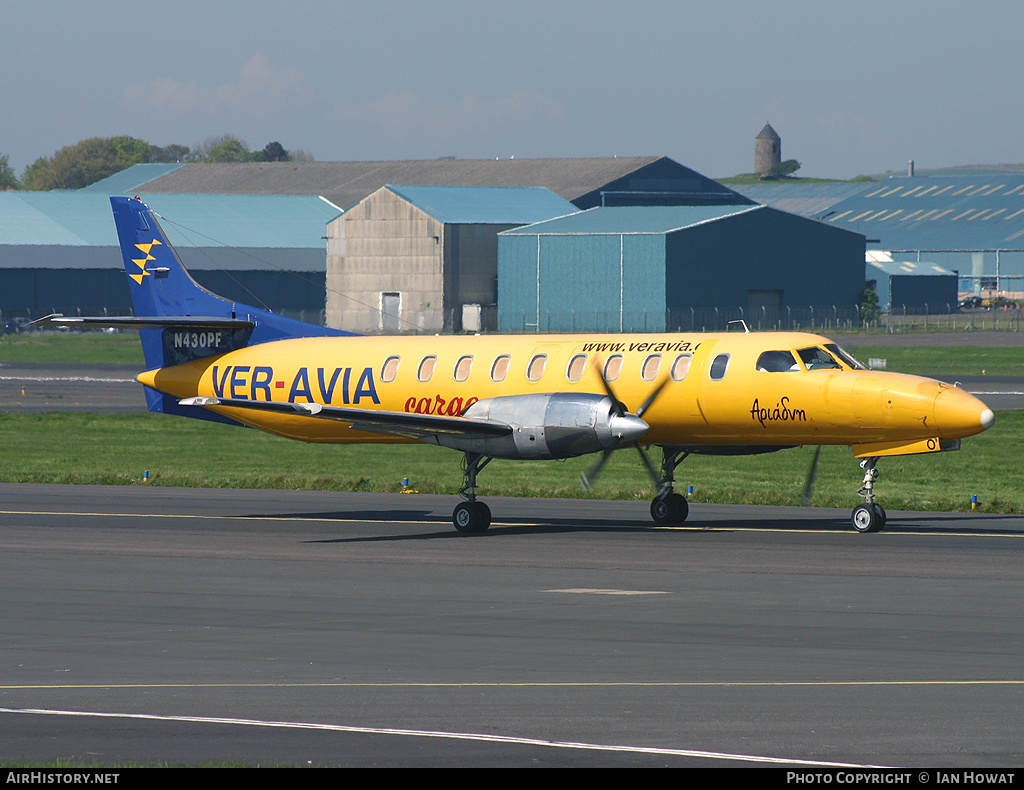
[[812, 318]]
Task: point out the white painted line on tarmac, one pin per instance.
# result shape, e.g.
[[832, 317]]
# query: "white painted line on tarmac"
[[592, 591], [461, 736], [92, 379]]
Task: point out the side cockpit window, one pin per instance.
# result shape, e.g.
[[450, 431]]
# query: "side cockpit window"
[[777, 362]]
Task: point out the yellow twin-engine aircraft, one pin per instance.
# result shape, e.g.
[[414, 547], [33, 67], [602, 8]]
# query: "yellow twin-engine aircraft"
[[522, 396]]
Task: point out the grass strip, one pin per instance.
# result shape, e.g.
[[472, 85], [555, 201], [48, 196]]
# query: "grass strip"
[[119, 448], [947, 360]]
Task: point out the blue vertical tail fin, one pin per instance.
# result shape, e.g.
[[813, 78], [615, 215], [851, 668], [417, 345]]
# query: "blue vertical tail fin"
[[172, 309]]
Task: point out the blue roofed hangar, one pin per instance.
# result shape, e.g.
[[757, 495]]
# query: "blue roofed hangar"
[[658, 268]]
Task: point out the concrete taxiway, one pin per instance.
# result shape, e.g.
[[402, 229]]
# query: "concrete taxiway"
[[308, 628]]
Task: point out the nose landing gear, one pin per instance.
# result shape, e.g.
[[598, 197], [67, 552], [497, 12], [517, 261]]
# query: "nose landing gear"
[[869, 517]]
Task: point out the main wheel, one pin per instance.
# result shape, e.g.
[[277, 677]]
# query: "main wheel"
[[670, 509], [868, 518], [471, 517]]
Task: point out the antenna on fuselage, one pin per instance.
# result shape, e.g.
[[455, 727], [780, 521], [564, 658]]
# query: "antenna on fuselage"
[[744, 323]]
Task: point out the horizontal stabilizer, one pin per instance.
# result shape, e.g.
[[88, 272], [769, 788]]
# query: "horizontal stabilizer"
[[390, 423], [144, 322]]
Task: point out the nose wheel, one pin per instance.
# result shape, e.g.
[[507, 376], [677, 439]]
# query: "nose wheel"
[[869, 517]]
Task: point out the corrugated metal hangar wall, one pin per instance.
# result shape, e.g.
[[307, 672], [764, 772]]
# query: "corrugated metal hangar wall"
[[652, 269], [59, 251]]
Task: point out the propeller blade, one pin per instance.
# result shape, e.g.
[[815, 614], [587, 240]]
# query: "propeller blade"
[[651, 398], [620, 407], [655, 477], [587, 478], [805, 497]]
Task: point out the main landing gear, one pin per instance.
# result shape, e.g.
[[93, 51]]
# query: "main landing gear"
[[869, 517], [470, 515], [668, 507]]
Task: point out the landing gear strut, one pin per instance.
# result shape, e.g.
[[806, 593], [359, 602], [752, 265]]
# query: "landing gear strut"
[[869, 517], [667, 506], [471, 516]]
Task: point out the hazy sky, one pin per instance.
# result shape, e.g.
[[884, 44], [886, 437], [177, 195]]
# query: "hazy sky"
[[851, 87]]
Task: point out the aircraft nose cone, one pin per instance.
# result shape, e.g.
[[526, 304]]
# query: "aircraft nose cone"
[[960, 414], [628, 428]]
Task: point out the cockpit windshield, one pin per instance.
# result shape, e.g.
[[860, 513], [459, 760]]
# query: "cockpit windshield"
[[816, 358], [813, 358], [846, 357]]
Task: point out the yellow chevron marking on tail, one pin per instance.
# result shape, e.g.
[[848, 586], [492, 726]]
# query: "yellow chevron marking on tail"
[[147, 247], [141, 262]]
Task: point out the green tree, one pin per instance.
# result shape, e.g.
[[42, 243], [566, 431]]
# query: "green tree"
[[37, 174], [130, 150], [274, 152], [74, 166], [229, 148], [868, 306], [170, 153], [84, 163], [8, 179], [226, 148]]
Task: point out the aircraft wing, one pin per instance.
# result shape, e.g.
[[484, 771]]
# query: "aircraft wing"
[[390, 423]]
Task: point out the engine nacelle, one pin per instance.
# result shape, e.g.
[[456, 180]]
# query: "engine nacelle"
[[550, 425]]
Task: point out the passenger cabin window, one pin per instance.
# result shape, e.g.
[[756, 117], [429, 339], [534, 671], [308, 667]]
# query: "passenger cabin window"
[[650, 367], [815, 358], [536, 367], [500, 367], [574, 371], [389, 370], [681, 367], [462, 368], [777, 362], [718, 367], [426, 368], [613, 367]]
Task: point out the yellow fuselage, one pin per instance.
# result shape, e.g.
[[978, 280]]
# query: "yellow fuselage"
[[704, 401]]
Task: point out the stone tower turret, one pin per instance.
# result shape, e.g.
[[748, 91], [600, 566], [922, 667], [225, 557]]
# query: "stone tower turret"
[[767, 151]]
